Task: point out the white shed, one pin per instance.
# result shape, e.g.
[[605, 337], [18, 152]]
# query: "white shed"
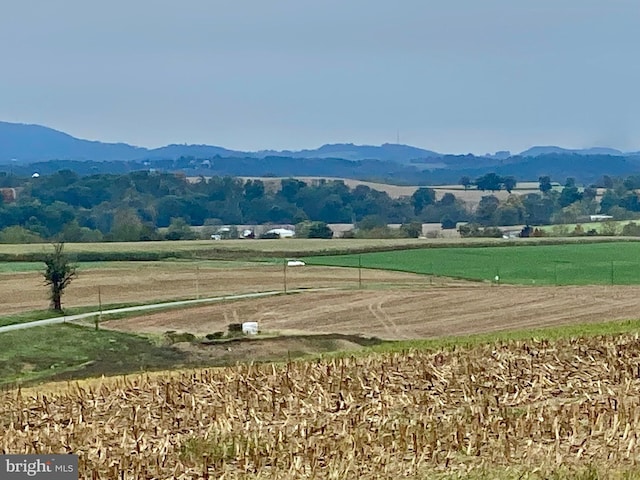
[[282, 232], [250, 328]]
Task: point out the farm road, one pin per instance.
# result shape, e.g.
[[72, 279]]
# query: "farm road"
[[155, 306]]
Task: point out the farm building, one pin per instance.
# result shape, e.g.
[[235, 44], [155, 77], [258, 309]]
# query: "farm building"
[[281, 232], [600, 218]]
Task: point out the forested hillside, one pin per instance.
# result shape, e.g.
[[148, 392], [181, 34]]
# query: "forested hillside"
[[133, 206]]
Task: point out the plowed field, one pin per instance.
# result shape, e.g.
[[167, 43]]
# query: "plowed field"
[[404, 313]]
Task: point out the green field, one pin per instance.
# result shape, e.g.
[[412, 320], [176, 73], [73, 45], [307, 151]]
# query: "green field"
[[15, 267], [67, 351], [586, 226], [615, 263]]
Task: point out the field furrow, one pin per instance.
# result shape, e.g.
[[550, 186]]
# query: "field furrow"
[[406, 313]]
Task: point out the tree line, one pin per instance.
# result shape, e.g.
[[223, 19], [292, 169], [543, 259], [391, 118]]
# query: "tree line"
[[563, 204], [135, 206]]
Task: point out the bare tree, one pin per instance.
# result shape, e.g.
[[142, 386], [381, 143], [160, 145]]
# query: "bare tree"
[[58, 274]]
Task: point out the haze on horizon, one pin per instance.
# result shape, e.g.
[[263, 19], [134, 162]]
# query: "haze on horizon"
[[454, 76]]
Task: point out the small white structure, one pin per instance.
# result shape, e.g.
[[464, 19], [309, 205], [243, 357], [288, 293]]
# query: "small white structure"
[[250, 328], [295, 263], [282, 232], [35, 175], [600, 218], [221, 233]]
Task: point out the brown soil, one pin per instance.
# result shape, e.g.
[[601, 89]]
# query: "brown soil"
[[147, 282], [267, 349], [403, 313]]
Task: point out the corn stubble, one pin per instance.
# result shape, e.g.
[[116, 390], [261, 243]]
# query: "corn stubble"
[[515, 406]]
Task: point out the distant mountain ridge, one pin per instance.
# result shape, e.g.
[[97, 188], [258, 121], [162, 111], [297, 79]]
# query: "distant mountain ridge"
[[539, 150], [31, 143], [349, 151], [22, 143]]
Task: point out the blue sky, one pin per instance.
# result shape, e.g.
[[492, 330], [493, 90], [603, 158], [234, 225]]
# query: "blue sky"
[[450, 75]]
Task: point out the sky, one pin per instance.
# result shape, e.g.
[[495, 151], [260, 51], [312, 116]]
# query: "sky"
[[455, 76]]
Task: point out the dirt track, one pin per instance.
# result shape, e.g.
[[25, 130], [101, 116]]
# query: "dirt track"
[[405, 313]]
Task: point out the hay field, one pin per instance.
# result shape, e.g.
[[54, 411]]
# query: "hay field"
[[212, 249], [394, 191], [531, 409], [471, 196]]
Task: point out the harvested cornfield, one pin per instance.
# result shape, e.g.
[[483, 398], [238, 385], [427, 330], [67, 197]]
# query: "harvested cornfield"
[[507, 407]]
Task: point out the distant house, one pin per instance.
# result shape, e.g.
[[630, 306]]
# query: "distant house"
[[507, 234], [280, 233], [223, 233], [600, 218]]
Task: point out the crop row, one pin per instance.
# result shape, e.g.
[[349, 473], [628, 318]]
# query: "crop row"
[[566, 403]]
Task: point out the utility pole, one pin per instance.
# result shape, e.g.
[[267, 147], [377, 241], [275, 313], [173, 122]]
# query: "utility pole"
[[197, 282], [284, 273], [99, 317], [360, 271]]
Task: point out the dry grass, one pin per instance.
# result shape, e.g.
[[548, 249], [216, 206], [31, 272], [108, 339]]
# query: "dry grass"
[[147, 282], [533, 406], [472, 196], [203, 248], [394, 191]]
